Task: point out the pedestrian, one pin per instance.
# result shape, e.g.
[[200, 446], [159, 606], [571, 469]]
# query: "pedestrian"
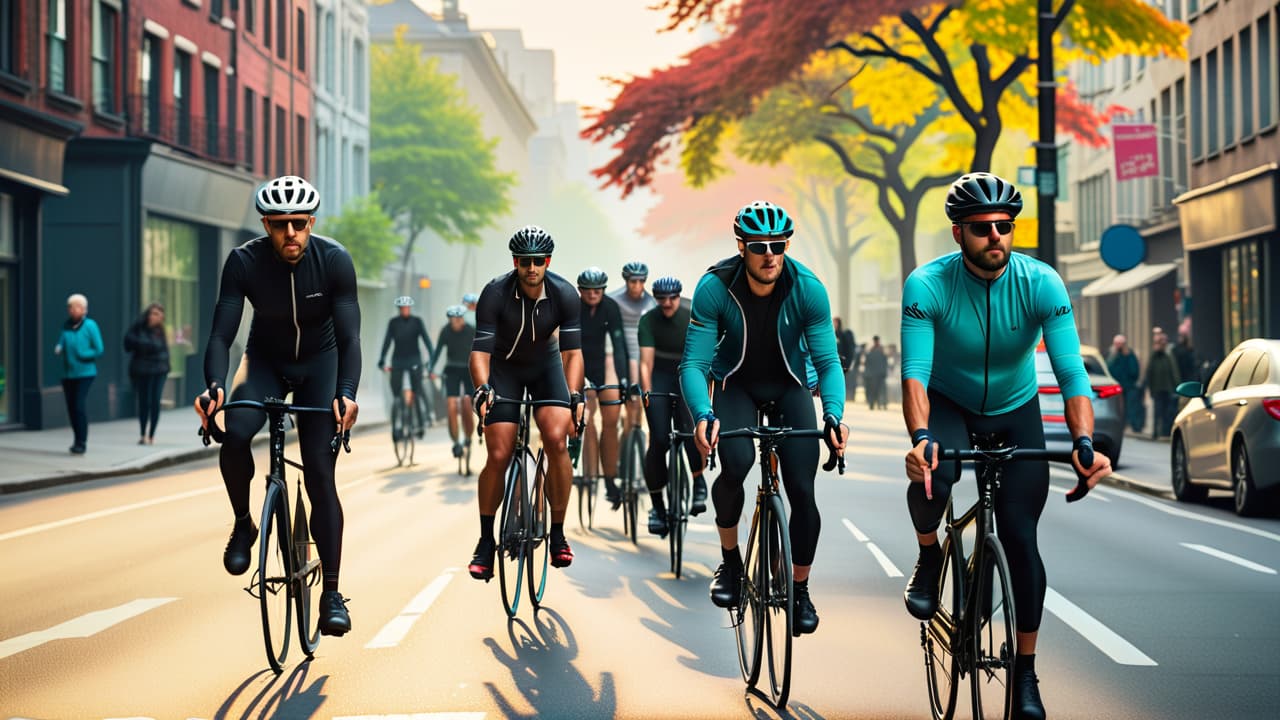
[[79, 346], [874, 372], [1185, 357], [148, 368], [1161, 379], [846, 348], [1123, 366]]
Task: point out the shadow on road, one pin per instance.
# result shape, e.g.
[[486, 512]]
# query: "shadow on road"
[[283, 696], [760, 707], [541, 664]]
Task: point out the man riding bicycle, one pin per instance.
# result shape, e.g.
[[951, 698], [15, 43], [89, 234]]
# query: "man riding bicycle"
[[515, 351], [661, 336], [454, 342], [982, 311], [633, 301], [601, 318], [759, 321], [405, 330], [304, 339]]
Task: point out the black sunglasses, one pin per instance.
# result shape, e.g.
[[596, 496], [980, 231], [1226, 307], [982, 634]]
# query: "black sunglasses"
[[760, 247], [527, 261], [299, 224], [983, 229]]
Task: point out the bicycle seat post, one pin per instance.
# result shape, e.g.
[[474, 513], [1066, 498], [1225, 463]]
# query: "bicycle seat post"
[[275, 415]]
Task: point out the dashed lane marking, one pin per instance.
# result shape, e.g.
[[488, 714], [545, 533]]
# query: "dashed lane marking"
[[1221, 555], [84, 626], [393, 632], [885, 563], [1092, 629]]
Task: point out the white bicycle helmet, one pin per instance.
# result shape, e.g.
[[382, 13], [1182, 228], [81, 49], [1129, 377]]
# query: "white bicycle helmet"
[[454, 311], [287, 195], [404, 301]]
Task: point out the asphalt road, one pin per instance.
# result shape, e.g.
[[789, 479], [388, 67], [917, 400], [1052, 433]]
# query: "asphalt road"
[[116, 606]]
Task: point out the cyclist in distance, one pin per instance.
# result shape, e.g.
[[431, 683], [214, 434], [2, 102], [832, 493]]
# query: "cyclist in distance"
[[514, 351], [633, 300], [759, 321], [454, 343], [661, 337], [405, 330], [601, 318], [304, 339], [469, 301], [971, 321]]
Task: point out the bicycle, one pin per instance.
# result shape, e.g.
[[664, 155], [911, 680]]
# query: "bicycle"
[[287, 572], [679, 489], [631, 477], [584, 449], [404, 423], [973, 631], [763, 620]]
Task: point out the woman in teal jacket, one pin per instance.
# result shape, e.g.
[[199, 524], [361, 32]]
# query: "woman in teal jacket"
[[79, 346]]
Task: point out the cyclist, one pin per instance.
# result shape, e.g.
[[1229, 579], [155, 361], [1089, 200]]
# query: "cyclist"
[[305, 339], [633, 300], [454, 343], [405, 330], [760, 323], [514, 351], [601, 318], [661, 335], [469, 301], [986, 308]]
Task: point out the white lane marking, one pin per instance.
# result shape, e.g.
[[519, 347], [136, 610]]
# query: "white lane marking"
[[857, 534], [393, 632], [81, 627], [1169, 508], [1214, 552], [1091, 629], [889, 568], [417, 716]]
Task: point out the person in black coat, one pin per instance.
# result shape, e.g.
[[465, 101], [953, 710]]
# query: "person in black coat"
[[148, 368]]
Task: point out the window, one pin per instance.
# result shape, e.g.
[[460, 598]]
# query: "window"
[[182, 94], [59, 73], [1246, 83], [1193, 7], [1266, 75], [1212, 93], [1180, 136], [1243, 370], [104, 57], [170, 276], [358, 167], [1241, 292], [215, 9], [1219, 379], [266, 23], [322, 170], [249, 20], [329, 50], [282, 131], [1197, 118], [1173, 9], [357, 74], [250, 113], [282, 30], [229, 126], [1167, 130], [1228, 93], [301, 46], [150, 83], [9, 36], [211, 94], [344, 67], [300, 140], [266, 135], [1261, 372]]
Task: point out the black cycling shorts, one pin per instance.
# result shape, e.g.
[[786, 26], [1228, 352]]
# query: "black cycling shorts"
[[544, 381], [593, 370], [457, 381]]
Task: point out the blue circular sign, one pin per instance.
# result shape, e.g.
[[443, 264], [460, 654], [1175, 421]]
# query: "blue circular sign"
[[1122, 247]]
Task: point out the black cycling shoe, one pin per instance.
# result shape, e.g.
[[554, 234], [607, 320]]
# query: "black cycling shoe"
[[614, 496], [334, 619], [457, 449], [804, 616], [481, 567], [1026, 694], [699, 504], [921, 595], [658, 523], [726, 587], [236, 557]]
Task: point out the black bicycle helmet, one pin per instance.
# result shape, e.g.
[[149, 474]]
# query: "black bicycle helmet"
[[635, 270], [593, 278], [666, 286], [531, 241], [980, 192], [762, 219]]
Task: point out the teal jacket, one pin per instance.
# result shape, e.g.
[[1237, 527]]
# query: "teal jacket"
[[716, 341], [81, 347]]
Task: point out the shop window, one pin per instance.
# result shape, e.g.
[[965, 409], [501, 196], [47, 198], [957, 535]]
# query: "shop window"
[[170, 276]]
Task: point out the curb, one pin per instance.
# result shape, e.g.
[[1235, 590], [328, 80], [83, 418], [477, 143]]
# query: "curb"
[[1125, 483]]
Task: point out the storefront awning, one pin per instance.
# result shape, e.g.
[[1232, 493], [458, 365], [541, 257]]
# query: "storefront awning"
[[1118, 282]]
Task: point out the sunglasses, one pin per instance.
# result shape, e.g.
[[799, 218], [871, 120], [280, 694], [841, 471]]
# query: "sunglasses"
[[299, 224], [983, 229], [527, 261], [760, 247], [666, 298]]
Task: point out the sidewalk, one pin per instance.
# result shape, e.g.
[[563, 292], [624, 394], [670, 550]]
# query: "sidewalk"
[[41, 458]]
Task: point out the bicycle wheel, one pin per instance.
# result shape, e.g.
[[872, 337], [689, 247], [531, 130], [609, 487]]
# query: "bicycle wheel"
[[307, 579], [677, 505], [540, 530], [635, 480], [401, 432], [775, 567], [940, 636], [748, 617], [511, 537], [275, 567], [993, 636]]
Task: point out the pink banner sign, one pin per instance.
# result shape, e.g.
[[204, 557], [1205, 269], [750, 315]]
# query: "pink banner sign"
[[1137, 152]]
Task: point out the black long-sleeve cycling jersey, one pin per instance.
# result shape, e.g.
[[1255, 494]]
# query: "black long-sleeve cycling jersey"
[[405, 332], [299, 310], [604, 320], [455, 345], [512, 326]]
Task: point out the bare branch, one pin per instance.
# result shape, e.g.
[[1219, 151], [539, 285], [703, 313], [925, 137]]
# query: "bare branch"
[[945, 77]]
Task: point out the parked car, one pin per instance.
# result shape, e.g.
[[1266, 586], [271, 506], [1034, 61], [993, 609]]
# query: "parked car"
[[1228, 435], [1108, 405]]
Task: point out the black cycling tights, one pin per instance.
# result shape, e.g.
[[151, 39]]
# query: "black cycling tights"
[[659, 416], [735, 406], [313, 383], [1024, 487]]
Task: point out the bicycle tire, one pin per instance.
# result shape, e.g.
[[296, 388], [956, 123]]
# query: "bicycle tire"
[[401, 435], [940, 637], [309, 574], [634, 480], [539, 544], [994, 640], [511, 540], [275, 566], [747, 618], [677, 506], [779, 618]]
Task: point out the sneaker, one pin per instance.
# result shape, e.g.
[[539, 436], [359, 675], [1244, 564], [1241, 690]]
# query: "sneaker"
[[561, 553], [236, 557], [921, 595], [726, 587], [699, 504], [334, 619], [657, 523], [481, 567], [804, 616], [1026, 694]]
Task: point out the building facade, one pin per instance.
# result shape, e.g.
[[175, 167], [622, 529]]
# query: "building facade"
[[340, 91]]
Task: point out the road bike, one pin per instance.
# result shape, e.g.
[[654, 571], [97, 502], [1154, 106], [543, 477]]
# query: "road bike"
[[404, 421], [631, 477], [584, 450], [679, 489], [288, 571]]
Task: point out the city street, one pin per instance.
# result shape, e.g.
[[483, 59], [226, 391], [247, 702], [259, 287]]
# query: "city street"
[[117, 606]]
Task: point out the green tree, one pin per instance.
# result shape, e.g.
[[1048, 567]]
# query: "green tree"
[[431, 164], [367, 232]]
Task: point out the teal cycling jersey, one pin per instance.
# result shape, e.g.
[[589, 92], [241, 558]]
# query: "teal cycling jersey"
[[974, 340]]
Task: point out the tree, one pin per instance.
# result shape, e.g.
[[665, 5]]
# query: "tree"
[[431, 164], [367, 232]]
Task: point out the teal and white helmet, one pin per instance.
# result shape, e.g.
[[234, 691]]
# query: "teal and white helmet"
[[762, 219]]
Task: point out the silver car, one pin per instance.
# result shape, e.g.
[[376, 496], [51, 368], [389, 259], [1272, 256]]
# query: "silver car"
[[1228, 435], [1108, 405]]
